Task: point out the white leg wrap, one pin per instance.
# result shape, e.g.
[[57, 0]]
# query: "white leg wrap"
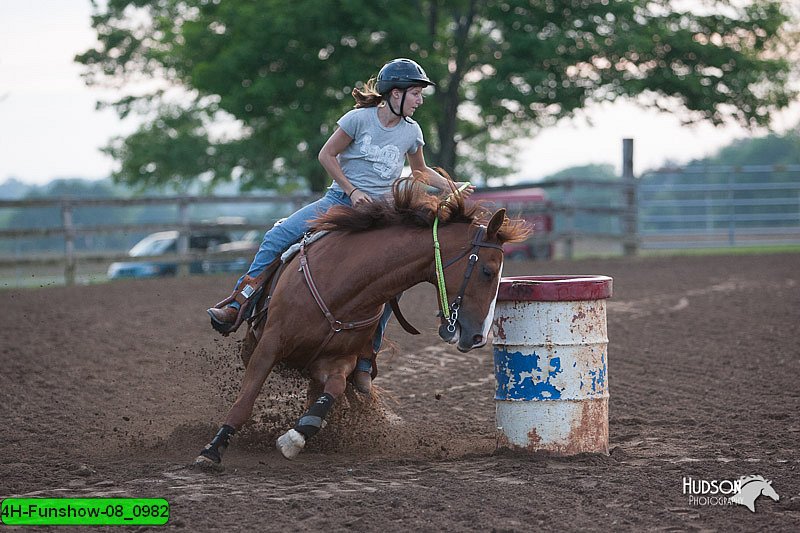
[[290, 443]]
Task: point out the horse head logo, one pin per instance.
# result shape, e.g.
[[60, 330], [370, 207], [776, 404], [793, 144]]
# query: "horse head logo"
[[751, 488]]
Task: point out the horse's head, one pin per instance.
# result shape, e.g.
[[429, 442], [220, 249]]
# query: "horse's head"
[[472, 278], [768, 491], [751, 487]]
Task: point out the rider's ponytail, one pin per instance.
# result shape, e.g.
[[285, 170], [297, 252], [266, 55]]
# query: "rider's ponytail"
[[367, 96]]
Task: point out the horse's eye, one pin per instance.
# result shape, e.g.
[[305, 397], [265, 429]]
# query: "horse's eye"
[[487, 271]]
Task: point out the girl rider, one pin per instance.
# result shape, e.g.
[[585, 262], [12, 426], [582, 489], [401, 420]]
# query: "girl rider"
[[364, 156]]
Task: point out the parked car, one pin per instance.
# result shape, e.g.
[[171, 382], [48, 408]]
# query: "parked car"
[[164, 243], [234, 256], [529, 203]]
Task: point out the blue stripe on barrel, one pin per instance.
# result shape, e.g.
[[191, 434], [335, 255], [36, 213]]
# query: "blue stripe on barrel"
[[520, 376]]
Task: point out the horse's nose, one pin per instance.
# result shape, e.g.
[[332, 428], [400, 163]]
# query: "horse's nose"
[[477, 339]]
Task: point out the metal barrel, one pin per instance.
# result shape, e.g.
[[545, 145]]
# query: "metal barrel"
[[550, 361]]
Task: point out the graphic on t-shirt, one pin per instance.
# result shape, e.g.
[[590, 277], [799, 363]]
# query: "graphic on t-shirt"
[[387, 160]]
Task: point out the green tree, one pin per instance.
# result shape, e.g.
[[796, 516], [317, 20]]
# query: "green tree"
[[283, 71], [772, 149]]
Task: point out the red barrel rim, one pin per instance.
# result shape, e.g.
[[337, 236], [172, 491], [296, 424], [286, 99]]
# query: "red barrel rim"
[[554, 288]]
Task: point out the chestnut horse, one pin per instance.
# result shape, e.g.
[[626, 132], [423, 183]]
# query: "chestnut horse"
[[325, 307]]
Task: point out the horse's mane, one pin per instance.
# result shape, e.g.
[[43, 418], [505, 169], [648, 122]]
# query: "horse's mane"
[[752, 478], [413, 206]]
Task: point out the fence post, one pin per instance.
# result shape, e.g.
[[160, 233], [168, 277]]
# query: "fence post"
[[183, 238], [630, 239], [569, 216], [731, 209], [69, 243]]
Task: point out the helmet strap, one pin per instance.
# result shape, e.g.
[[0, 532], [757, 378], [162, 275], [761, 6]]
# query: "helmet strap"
[[402, 103]]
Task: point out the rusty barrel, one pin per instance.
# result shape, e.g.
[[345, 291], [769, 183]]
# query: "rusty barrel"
[[550, 361]]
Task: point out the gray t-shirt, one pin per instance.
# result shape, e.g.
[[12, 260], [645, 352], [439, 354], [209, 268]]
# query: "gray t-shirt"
[[375, 158]]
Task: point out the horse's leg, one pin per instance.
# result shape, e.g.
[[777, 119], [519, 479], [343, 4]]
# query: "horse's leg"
[[315, 390], [332, 375], [248, 346], [260, 365]]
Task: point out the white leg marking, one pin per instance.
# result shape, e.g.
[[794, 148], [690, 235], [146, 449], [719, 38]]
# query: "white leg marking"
[[290, 443]]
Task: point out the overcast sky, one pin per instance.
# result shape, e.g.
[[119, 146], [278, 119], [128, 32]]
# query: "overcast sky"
[[49, 127]]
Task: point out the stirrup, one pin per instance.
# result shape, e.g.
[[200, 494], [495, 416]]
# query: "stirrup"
[[246, 294], [225, 328]]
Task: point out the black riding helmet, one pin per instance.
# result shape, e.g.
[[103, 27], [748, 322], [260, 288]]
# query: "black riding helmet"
[[402, 74]]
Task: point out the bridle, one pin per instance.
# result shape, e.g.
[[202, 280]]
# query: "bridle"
[[449, 312]]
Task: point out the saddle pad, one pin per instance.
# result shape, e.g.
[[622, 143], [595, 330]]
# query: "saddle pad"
[[293, 249]]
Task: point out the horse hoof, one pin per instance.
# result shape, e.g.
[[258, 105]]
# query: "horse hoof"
[[205, 463], [290, 443]]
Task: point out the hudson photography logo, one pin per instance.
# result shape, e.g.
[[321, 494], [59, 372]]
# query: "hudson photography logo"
[[742, 491]]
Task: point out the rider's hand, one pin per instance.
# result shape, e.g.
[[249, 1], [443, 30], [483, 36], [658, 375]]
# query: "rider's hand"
[[359, 197], [468, 190]]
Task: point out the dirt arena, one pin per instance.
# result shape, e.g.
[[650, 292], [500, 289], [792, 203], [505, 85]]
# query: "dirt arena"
[[111, 390]]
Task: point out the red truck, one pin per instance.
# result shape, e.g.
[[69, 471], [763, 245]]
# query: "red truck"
[[529, 203]]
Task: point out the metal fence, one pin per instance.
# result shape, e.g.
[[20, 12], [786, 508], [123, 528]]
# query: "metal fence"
[[720, 206], [568, 211], [665, 209], [589, 215]]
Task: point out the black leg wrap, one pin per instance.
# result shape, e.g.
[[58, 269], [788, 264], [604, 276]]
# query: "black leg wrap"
[[311, 422], [216, 447]]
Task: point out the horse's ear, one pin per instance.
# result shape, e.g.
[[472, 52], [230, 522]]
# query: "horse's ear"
[[494, 224]]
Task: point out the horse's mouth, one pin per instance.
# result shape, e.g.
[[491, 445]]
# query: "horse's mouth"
[[450, 337], [464, 344]]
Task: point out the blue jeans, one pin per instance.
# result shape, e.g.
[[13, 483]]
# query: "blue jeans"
[[377, 340], [279, 238]]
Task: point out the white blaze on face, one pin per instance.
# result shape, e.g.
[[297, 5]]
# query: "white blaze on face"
[[487, 322]]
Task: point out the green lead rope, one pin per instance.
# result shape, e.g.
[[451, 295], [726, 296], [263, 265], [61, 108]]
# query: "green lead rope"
[[437, 254], [440, 271]]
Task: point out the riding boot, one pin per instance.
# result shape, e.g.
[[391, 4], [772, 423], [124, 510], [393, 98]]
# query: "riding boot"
[[362, 376], [225, 316]]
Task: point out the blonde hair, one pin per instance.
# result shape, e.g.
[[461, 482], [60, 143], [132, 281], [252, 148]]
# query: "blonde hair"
[[368, 96]]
